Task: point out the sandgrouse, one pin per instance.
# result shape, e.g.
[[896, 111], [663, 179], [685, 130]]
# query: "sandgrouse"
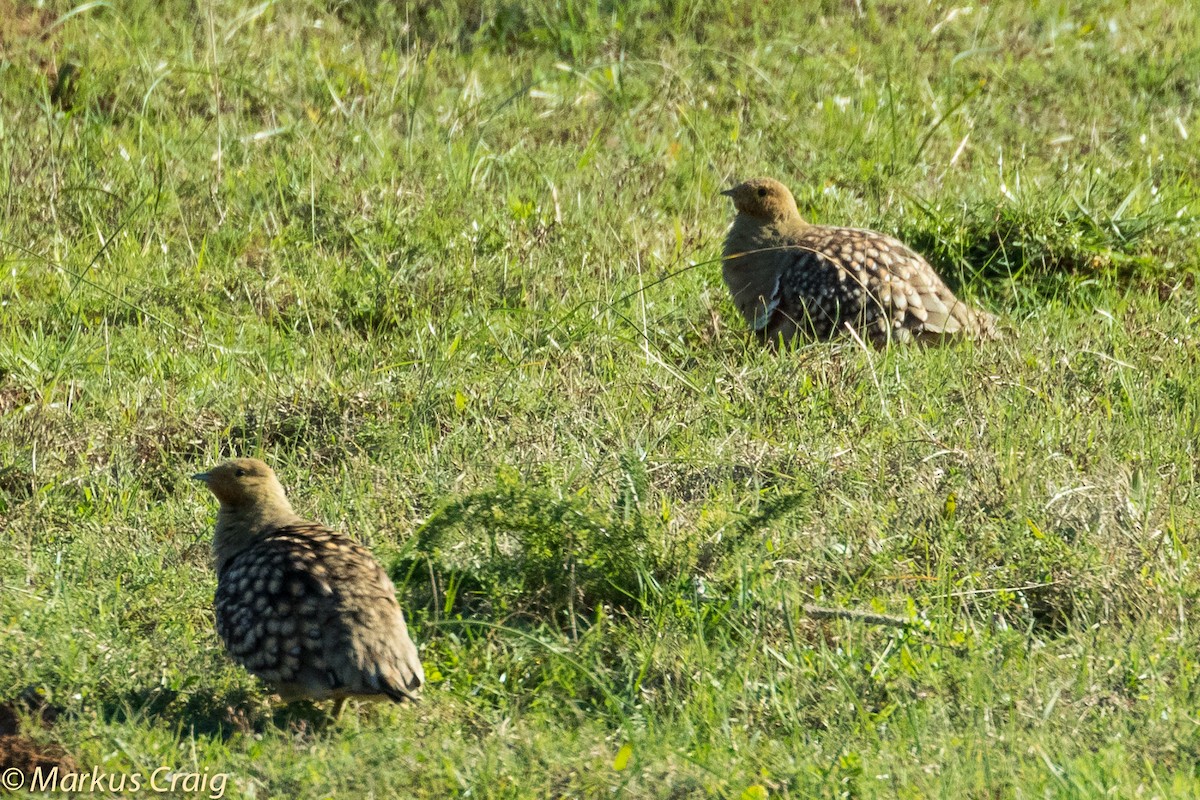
[[303, 607], [788, 276]]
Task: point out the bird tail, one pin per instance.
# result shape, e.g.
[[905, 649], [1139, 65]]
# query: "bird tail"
[[402, 682], [406, 688], [401, 694]]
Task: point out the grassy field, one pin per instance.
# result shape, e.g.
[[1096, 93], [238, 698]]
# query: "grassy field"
[[451, 271]]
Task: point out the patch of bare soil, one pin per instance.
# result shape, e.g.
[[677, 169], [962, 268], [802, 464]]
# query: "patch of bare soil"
[[20, 25], [24, 753]]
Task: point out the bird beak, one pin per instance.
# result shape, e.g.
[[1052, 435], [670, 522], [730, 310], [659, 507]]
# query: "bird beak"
[[201, 476], [728, 193]]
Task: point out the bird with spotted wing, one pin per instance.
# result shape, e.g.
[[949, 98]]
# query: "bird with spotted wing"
[[790, 277], [303, 607]]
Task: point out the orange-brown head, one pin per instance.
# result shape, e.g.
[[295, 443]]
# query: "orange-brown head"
[[244, 482], [765, 199], [252, 504]]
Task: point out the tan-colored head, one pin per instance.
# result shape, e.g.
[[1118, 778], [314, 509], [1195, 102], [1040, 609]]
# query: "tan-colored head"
[[764, 198], [244, 483]]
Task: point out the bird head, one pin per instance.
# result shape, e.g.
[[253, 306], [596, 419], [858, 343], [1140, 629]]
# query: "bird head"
[[764, 198], [242, 483]]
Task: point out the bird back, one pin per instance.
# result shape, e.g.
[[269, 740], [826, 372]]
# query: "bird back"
[[310, 611]]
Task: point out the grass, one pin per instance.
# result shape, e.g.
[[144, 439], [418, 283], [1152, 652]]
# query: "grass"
[[450, 270]]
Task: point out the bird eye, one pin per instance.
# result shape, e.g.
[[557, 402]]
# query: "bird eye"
[[241, 473], [762, 191]]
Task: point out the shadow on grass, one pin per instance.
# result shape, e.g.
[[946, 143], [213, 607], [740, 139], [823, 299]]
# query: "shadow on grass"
[[522, 550], [218, 714]]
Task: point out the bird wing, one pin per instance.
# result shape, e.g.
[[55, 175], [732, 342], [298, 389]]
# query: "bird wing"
[[341, 630], [268, 607], [817, 292], [378, 653], [932, 306], [905, 291]]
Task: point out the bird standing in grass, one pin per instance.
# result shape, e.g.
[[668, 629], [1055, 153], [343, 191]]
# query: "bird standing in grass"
[[788, 276], [303, 607]]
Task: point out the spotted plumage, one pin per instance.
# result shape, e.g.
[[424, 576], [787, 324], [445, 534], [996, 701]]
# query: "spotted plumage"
[[301, 606], [789, 277]]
